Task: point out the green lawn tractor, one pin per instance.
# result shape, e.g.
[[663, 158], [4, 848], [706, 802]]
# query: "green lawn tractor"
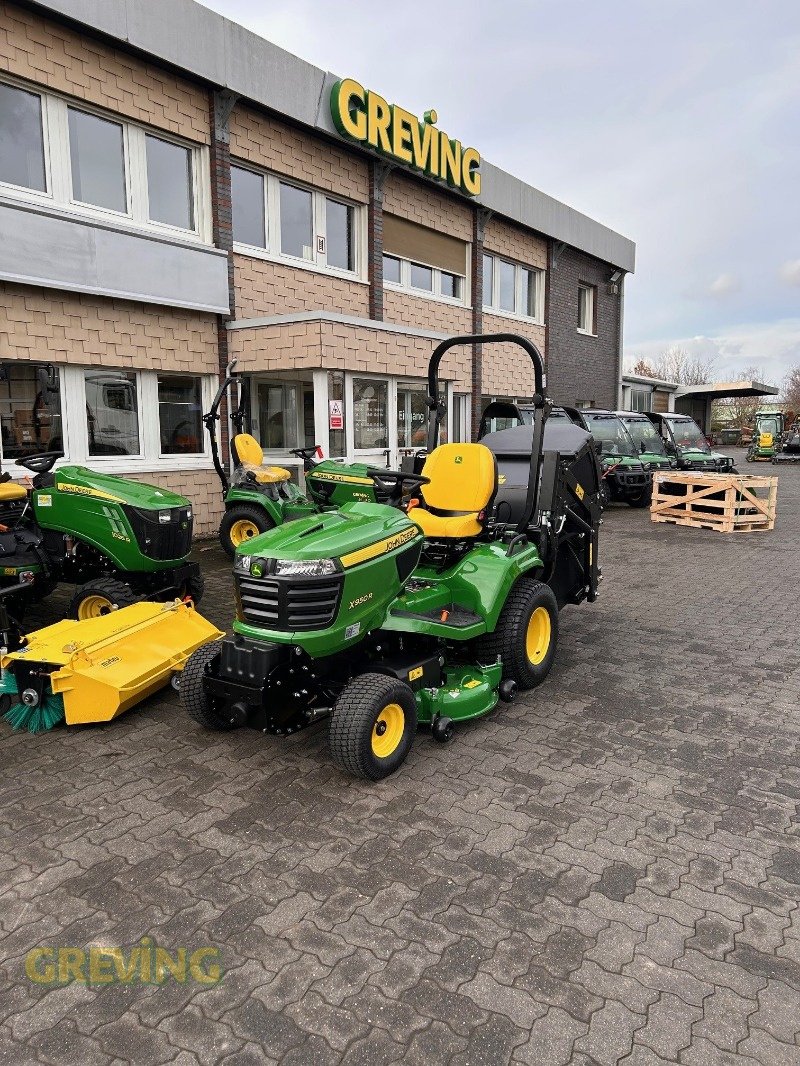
[[687, 445], [790, 444], [259, 496], [767, 437], [119, 541], [379, 619]]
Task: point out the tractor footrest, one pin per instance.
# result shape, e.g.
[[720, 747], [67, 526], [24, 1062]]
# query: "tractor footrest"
[[456, 617]]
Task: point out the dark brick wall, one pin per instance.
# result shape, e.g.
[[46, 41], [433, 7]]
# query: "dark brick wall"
[[581, 367]]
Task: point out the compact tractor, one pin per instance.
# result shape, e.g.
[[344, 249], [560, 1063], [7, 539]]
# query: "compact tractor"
[[259, 496], [119, 541], [380, 618], [767, 439], [686, 444]]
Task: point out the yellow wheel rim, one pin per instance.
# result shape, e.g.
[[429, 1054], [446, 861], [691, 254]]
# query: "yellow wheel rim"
[[243, 530], [388, 730], [94, 607], [537, 639]]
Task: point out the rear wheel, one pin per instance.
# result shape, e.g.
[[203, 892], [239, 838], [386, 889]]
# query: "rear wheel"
[[526, 634], [373, 726], [196, 701], [100, 597], [240, 524]]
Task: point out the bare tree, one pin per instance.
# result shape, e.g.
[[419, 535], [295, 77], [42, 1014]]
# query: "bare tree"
[[791, 389], [643, 369], [677, 364], [740, 410]]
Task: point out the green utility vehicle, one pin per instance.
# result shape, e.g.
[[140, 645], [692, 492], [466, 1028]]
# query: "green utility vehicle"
[[380, 619], [767, 439], [625, 477], [259, 495], [652, 450], [686, 444], [120, 541]]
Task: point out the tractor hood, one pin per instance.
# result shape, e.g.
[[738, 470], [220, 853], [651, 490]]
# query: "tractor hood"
[[80, 481], [354, 534]]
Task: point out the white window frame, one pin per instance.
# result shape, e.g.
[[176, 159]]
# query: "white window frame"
[[590, 290], [272, 228], [436, 294], [75, 429], [492, 304], [648, 399], [58, 170]]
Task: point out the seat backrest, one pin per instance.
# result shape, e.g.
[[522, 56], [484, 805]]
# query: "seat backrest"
[[246, 449], [463, 478]]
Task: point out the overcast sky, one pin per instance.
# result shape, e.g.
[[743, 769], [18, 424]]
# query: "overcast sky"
[[675, 122]]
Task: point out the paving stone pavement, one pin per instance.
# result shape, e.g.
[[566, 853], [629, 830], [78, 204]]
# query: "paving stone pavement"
[[606, 871]]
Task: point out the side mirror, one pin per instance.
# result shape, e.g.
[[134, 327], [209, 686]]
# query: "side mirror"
[[642, 447]]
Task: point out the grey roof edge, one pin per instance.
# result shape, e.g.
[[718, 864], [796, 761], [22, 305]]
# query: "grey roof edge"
[[332, 316], [192, 38]]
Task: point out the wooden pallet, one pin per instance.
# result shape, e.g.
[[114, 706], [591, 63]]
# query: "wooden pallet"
[[729, 503]]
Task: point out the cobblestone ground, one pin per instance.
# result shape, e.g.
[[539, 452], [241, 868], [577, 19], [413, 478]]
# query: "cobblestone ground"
[[606, 871]]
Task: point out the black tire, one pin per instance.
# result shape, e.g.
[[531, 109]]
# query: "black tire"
[[195, 699], [641, 499], [510, 637], [355, 721], [100, 597], [242, 512], [194, 588]]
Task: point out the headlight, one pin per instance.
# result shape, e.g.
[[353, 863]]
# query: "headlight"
[[646, 466], [164, 518], [242, 562], [305, 567]]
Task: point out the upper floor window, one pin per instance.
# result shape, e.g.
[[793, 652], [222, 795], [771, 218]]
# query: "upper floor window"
[[587, 309], [512, 288], [73, 155], [291, 221], [423, 261]]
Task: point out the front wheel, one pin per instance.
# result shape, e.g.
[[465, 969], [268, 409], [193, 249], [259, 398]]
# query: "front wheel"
[[196, 701], [240, 524], [526, 634], [373, 726], [641, 499], [100, 597]]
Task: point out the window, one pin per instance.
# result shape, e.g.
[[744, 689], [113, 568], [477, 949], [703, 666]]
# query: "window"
[[30, 409], [169, 183], [112, 412], [277, 416], [412, 416], [451, 285], [180, 409], [391, 269], [586, 305], [421, 277], [424, 261], [21, 139], [337, 439], [97, 158], [512, 288], [292, 222], [370, 414], [641, 400]]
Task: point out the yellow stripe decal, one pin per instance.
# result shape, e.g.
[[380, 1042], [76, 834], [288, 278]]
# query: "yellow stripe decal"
[[98, 494], [344, 479], [379, 548]]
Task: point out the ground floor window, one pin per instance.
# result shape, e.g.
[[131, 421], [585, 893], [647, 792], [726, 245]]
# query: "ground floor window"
[[30, 409], [412, 415], [370, 414], [641, 400], [112, 412], [180, 415]]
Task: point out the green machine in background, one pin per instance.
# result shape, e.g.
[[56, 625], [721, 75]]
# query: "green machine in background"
[[767, 439], [259, 496], [120, 541], [379, 619]]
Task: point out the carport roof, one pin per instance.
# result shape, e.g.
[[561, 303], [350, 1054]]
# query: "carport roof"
[[720, 390]]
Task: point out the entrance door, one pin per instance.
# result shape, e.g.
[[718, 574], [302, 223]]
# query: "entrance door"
[[370, 407], [412, 418], [275, 416]]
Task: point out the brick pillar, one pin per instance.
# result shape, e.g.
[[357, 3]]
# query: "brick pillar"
[[378, 172], [479, 219], [221, 105]]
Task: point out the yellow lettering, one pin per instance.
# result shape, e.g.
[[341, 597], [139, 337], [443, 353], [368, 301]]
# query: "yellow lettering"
[[70, 965], [378, 118], [402, 125], [124, 973], [348, 110], [450, 162], [47, 974], [101, 966], [212, 973], [470, 172]]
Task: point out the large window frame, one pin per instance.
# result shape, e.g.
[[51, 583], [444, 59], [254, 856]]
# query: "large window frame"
[[318, 263], [491, 302], [435, 292], [58, 192], [641, 400], [587, 309], [75, 430]]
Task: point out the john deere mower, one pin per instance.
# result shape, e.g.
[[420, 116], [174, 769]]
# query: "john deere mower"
[[767, 437], [259, 495], [380, 619], [686, 444], [119, 541], [790, 445]]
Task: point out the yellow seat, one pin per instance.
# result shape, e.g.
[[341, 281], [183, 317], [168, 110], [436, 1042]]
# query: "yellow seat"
[[248, 453], [10, 490], [463, 483], [270, 475]]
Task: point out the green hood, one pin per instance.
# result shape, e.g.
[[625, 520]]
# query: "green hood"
[[80, 481]]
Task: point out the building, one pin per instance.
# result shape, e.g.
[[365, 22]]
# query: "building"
[[641, 393], [177, 192]]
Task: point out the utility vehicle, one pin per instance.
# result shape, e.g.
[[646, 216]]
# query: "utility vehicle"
[[652, 450], [767, 438], [790, 445], [379, 618], [120, 541], [686, 443], [625, 478], [259, 495]]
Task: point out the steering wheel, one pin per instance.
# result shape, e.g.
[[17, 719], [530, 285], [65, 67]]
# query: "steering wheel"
[[392, 482], [40, 464], [304, 453]]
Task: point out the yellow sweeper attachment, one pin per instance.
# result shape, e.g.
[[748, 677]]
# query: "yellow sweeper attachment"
[[95, 669]]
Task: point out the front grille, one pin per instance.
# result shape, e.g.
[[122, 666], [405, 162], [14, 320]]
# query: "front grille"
[[168, 541], [288, 604]]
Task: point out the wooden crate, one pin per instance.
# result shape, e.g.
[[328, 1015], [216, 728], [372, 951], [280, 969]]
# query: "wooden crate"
[[729, 503]]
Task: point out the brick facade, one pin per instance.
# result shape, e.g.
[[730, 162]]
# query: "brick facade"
[[520, 245], [580, 367], [423, 203]]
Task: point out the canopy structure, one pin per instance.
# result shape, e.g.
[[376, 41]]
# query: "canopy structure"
[[696, 400]]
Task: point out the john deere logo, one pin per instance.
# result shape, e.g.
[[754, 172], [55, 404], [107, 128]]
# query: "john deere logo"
[[458, 460], [257, 569]]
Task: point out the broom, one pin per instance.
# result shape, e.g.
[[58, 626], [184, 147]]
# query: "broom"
[[38, 719]]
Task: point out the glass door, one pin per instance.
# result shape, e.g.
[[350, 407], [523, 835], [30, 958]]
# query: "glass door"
[[370, 421], [412, 418]]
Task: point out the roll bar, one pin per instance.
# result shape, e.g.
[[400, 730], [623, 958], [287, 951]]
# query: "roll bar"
[[211, 417], [437, 409]]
